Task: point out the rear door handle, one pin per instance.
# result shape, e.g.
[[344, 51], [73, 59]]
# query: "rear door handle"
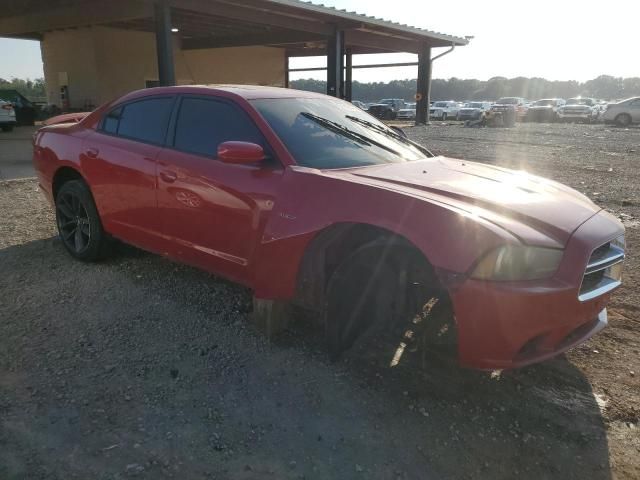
[[168, 176], [92, 152]]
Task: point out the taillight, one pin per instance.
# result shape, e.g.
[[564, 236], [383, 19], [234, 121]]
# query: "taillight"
[[7, 106]]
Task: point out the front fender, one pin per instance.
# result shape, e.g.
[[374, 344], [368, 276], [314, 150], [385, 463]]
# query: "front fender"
[[311, 201]]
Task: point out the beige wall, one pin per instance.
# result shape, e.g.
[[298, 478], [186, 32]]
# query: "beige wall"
[[71, 52], [103, 63]]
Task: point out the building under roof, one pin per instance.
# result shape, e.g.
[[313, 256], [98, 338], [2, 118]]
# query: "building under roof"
[[95, 50]]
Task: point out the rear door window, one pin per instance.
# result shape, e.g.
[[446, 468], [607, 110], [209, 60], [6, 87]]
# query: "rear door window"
[[143, 120]]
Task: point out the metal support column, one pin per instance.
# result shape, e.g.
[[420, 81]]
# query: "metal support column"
[[423, 93], [164, 44], [335, 64], [286, 70], [348, 82]]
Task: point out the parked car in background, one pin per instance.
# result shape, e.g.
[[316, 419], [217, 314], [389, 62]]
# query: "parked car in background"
[[545, 110], [623, 113], [387, 108], [359, 104], [307, 200], [474, 110], [26, 111], [7, 116], [511, 108], [444, 110], [579, 109], [407, 113], [395, 103]]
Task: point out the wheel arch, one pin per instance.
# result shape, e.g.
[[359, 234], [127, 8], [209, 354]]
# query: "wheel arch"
[[62, 175], [621, 115], [331, 245]]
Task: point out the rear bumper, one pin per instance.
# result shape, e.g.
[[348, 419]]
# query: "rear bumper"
[[4, 122], [503, 325]]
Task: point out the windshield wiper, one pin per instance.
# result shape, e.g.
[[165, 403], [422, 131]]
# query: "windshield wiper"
[[388, 133], [335, 127]]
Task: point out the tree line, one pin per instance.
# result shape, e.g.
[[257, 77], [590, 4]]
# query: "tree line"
[[29, 88], [604, 87]]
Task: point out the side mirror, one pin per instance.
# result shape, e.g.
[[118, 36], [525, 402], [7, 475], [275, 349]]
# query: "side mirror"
[[240, 152]]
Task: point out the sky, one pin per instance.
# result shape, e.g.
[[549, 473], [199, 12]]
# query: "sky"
[[554, 39]]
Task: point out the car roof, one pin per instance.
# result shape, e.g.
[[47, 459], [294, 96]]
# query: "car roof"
[[248, 92]]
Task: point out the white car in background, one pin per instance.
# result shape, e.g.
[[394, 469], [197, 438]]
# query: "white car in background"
[[623, 113], [474, 110], [444, 110], [7, 116], [579, 109], [408, 112]]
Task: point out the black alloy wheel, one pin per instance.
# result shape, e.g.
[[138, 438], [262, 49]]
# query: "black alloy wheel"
[[73, 222], [78, 222]]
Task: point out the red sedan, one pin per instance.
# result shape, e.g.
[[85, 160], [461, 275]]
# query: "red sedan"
[[308, 200]]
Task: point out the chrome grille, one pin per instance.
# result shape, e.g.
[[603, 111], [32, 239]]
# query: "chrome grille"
[[604, 270]]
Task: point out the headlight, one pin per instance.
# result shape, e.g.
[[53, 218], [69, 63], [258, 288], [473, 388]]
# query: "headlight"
[[518, 263]]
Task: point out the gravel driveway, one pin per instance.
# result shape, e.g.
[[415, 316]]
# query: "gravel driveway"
[[139, 367]]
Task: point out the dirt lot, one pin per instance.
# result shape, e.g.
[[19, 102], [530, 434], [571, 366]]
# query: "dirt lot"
[[138, 367]]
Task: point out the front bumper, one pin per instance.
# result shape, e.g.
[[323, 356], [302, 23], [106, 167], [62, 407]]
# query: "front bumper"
[[503, 325], [470, 116], [575, 116]]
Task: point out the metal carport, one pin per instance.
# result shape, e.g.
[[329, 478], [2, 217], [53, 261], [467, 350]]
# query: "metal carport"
[[300, 28]]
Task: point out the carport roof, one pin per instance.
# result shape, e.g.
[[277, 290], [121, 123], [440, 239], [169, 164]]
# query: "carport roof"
[[299, 26]]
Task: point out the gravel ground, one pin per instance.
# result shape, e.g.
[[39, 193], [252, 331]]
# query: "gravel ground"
[[138, 367]]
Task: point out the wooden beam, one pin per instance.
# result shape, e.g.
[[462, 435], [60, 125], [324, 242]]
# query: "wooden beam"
[[70, 16], [259, 39]]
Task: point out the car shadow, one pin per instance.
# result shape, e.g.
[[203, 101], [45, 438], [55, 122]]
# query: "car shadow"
[[138, 357]]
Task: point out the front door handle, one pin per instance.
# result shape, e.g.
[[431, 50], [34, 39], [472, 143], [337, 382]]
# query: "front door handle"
[[168, 176], [92, 152]]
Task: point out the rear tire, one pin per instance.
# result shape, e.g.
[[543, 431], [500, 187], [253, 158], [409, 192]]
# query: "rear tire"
[[79, 223], [623, 120], [7, 128]]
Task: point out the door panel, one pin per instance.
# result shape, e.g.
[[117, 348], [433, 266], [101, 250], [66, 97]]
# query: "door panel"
[[213, 213], [122, 175], [635, 111], [120, 162]]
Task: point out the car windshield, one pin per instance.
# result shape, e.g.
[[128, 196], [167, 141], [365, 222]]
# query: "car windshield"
[[474, 105], [440, 104], [508, 101], [387, 102], [331, 133], [544, 103], [579, 101]]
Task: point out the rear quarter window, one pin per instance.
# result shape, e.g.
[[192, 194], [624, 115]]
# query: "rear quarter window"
[[143, 120]]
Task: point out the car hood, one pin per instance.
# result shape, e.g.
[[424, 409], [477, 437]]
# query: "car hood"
[[511, 199]]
